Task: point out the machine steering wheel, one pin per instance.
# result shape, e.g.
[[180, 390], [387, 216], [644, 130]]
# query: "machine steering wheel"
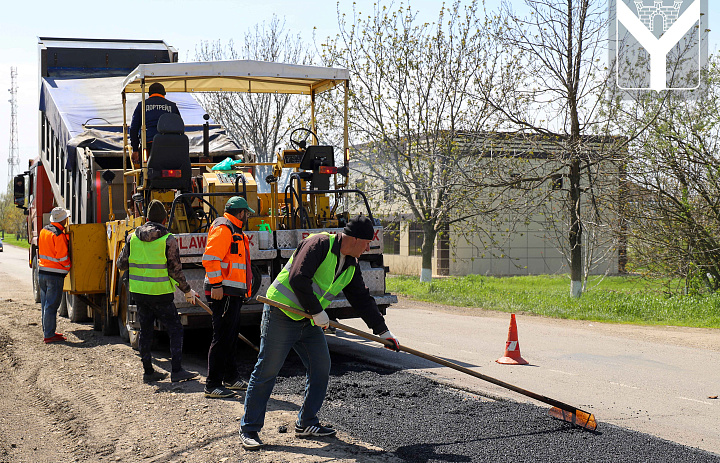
[[300, 142], [206, 218]]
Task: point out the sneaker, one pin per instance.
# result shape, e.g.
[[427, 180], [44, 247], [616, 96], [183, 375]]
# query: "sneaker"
[[218, 392], [182, 375], [55, 338], [154, 376], [317, 430], [238, 385], [251, 440]]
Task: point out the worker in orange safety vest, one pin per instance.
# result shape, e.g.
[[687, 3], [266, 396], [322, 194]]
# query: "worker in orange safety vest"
[[53, 265], [228, 283]]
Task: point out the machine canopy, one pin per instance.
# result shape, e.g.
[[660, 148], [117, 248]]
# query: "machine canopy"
[[236, 76]]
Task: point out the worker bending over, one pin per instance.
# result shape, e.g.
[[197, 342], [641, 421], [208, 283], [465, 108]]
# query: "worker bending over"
[[53, 265], [152, 258], [321, 267], [228, 283]]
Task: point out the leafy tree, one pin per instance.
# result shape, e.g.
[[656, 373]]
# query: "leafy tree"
[[672, 199], [408, 104], [12, 219]]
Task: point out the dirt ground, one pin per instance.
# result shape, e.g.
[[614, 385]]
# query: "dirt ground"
[[84, 400]]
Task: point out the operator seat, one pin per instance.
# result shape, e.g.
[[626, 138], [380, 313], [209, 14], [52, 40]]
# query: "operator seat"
[[169, 161]]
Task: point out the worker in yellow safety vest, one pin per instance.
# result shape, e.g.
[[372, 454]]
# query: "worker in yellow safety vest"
[[228, 283], [152, 258], [322, 266], [53, 265]]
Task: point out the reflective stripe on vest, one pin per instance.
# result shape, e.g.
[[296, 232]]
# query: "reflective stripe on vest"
[[233, 265], [48, 239], [148, 267], [326, 286]]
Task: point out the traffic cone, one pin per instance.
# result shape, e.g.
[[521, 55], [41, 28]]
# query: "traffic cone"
[[512, 347]]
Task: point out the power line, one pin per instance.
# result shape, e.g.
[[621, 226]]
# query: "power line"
[[14, 156]]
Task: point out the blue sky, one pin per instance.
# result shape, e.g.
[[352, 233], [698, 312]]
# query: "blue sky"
[[180, 23]]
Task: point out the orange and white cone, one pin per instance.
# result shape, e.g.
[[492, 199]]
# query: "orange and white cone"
[[512, 347]]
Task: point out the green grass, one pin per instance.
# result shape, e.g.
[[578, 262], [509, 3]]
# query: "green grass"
[[612, 299], [10, 239]]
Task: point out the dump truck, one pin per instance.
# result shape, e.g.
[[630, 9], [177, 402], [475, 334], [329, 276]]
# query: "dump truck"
[[88, 89]]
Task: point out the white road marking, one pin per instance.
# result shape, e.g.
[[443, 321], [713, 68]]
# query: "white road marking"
[[624, 385], [563, 372], [694, 400]]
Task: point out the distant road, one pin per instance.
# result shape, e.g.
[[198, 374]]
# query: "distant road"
[[14, 261]]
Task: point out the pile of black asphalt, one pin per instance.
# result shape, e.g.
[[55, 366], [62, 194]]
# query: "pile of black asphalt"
[[417, 420]]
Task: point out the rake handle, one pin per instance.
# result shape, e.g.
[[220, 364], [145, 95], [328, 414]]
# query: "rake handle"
[[441, 361]]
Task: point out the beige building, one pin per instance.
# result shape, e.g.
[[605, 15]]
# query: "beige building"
[[529, 237]]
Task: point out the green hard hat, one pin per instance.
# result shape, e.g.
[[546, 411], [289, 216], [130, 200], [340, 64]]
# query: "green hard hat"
[[237, 202]]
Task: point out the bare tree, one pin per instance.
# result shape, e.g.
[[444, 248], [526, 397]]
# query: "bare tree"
[[551, 84], [408, 103], [258, 122]]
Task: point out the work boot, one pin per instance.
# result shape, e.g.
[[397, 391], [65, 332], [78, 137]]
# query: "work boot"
[[154, 376], [182, 375], [251, 440]]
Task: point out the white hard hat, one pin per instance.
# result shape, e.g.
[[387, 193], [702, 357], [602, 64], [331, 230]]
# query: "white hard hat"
[[58, 214]]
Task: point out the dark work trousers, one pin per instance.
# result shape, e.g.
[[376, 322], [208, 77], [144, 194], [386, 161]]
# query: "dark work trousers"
[[222, 364], [165, 313]]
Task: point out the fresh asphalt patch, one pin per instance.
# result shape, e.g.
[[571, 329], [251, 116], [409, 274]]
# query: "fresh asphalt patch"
[[418, 420]]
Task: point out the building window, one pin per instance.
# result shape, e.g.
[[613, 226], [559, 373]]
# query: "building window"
[[416, 239], [391, 237]]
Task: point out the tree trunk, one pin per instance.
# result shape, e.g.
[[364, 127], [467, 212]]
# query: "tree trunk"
[[576, 267], [428, 248]]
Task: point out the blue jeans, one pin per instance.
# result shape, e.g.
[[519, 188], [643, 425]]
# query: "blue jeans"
[[278, 334], [51, 289]]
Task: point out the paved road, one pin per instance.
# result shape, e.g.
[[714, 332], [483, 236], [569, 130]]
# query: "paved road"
[[644, 379], [14, 260]]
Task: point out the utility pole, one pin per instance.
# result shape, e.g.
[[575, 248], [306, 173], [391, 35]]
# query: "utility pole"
[[13, 156]]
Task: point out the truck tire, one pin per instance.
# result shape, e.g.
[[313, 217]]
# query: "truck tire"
[[126, 334], [62, 310], [123, 311], [77, 309], [35, 275]]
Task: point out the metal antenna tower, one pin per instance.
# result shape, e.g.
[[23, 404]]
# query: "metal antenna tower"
[[13, 157]]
